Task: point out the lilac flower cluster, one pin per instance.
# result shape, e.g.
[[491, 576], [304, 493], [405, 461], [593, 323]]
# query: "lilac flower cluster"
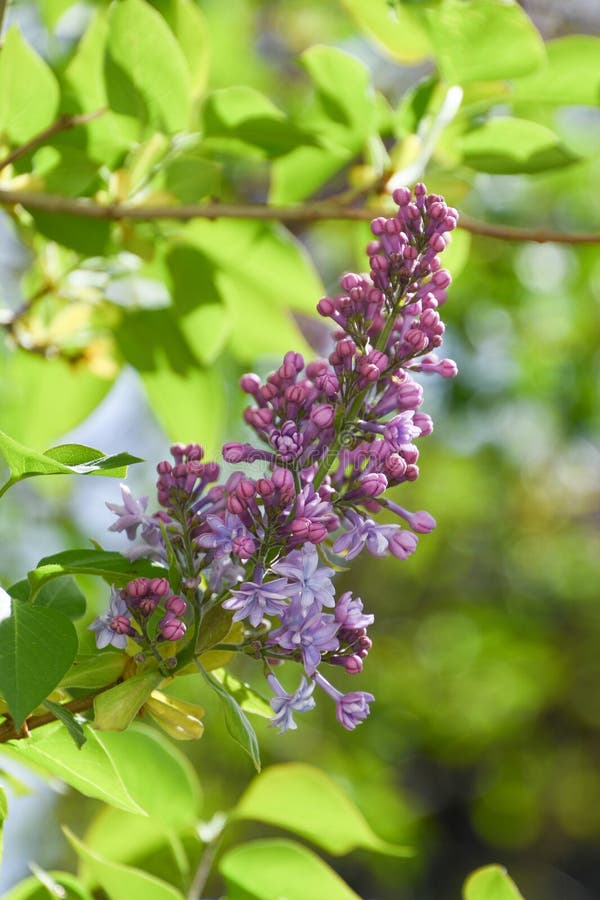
[[132, 614], [332, 437]]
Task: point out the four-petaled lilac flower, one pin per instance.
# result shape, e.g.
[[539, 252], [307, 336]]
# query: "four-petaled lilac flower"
[[115, 625], [351, 708], [131, 514], [225, 536], [253, 601], [364, 532], [309, 582], [284, 704], [312, 634]]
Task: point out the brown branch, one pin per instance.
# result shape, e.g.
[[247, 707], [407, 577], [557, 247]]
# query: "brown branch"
[[308, 212], [8, 732], [63, 123]]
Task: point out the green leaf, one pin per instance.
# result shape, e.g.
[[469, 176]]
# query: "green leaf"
[[189, 407], [190, 177], [237, 722], [88, 237], [67, 459], [305, 800], [125, 838], [34, 889], [342, 115], [490, 883], [66, 170], [506, 146], [37, 646], [63, 595], [244, 114], [189, 26], [94, 670], [143, 757], [240, 253], [483, 40], [109, 565], [122, 882], [91, 770], [274, 869], [215, 625], [29, 91], [398, 28], [64, 715], [109, 136], [114, 709], [570, 76], [29, 388], [3, 814], [147, 76], [243, 694]]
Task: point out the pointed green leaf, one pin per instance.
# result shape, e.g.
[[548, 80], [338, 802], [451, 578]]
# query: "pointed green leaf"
[[486, 40], [66, 459], [122, 882], [34, 889], [243, 114], [109, 136], [506, 146], [3, 814], [571, 74], [342, 115], [186, 21], [246, 698], [90, 770], [114, 709], [240, 252], [305, 800], [125, 838], [37, 646], [29, 388], [109, 565], [147, 76], [94, 670], [62, 594], [397, 27], [237, 722], [490, 883], [276, 869], [143, 756], [64, 715], [29, 91]]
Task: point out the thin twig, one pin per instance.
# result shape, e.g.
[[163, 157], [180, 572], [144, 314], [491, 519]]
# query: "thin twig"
[[8, 732], [63, 123], [308, 212]]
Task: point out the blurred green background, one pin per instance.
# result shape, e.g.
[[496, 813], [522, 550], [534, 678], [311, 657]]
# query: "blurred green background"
[[484, 742]]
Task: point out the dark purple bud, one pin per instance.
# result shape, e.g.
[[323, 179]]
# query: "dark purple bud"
[[171, 628], [322, 415], [176, 605]]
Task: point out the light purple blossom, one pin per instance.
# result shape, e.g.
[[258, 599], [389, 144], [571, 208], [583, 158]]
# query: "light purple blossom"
[[115, 625], [364, 532], [253, 601], [351, 708], [312, 634], [131, 514], [309, 582], [284, 704], [225, 535], [349, 612]]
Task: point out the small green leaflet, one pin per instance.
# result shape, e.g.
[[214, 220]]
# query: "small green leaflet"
[[65, 715], [66, 459], [236, 720]]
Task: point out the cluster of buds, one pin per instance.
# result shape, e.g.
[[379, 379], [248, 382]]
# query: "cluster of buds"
[[132, 613], [331, 437]]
